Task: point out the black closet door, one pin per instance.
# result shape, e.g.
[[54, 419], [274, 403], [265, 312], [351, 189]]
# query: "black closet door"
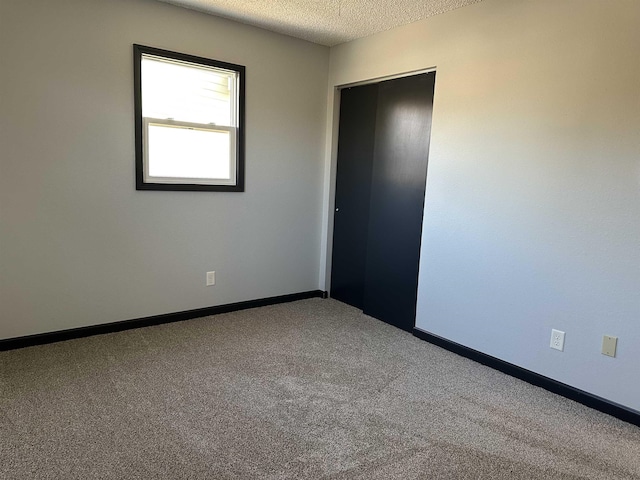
[[353, 190], [401, 152]]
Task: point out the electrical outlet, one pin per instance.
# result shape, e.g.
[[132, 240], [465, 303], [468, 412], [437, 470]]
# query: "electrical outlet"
[[557, 339], [211, 278], [609, 345]]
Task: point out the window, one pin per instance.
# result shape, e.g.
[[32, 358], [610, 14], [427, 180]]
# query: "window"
[[189, 122]]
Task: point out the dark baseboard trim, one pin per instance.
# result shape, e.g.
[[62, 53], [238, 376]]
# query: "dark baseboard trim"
[[572, 393], [61, 335]]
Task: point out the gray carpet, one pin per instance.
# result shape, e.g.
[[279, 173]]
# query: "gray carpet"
[[311, 389]]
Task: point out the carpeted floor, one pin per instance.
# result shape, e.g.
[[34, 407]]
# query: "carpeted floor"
[[310, 389]]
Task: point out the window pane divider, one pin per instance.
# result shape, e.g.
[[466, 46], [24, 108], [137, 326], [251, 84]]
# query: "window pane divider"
[[169, 122]]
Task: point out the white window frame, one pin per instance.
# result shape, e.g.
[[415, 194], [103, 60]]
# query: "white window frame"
[[144, 181]]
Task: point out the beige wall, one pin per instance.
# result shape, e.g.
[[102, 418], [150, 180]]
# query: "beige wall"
[[78, 244], [532, 216]]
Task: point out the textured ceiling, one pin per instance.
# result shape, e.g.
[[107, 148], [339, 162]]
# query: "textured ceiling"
[[327, 22]]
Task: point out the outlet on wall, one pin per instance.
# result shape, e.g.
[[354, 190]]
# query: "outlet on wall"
[[211, 278], [609, 345], [557, 339]]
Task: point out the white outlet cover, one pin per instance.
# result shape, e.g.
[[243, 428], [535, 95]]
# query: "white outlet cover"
[[211, 278], [557, 339], [609, 345]]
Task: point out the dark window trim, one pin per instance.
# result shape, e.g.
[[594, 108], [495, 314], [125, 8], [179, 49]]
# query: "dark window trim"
[[138, 50]]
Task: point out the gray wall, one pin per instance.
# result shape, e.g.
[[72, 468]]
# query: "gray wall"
[[78, 244], [532, 216]]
